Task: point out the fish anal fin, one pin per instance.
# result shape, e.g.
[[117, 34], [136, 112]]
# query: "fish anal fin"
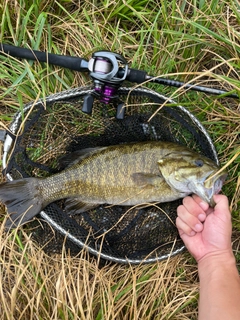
[[75, 206]]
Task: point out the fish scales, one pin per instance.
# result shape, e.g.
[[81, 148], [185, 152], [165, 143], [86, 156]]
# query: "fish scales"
[[104, 175], [127, 174]]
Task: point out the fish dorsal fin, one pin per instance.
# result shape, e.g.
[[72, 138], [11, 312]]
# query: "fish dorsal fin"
[[75, 206], [147, 179], [77, 156]]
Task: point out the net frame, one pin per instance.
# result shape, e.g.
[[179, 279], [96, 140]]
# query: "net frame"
[[100, 250]]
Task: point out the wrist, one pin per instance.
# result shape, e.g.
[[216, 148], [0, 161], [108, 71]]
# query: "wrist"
[[216, 261]]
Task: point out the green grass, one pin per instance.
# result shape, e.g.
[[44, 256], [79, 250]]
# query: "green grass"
[[191, 41]]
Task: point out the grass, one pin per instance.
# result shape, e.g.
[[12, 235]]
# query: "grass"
[[61, 287], [188, 41]]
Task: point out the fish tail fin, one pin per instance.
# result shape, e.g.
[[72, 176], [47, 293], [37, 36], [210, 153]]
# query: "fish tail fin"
[[22, 199]]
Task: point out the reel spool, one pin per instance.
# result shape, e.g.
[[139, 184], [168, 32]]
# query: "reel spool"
[[58, 126]]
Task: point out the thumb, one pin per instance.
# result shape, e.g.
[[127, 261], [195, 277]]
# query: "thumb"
[[222, 206]]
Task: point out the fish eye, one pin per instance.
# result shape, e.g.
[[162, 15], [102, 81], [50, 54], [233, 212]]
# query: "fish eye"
[[199, 163]]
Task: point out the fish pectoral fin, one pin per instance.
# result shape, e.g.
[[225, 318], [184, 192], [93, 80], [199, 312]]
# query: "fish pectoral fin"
[[143, 179], [75, 206]]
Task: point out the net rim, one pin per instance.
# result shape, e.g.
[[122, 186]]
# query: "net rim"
[[79, 92]]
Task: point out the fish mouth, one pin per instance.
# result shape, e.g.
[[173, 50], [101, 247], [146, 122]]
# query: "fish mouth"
[[213, 185]]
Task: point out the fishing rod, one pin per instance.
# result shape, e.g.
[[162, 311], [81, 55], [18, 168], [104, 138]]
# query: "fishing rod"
[[108, 70]]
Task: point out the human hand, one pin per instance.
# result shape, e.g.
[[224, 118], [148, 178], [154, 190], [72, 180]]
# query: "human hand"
[[203, 229]]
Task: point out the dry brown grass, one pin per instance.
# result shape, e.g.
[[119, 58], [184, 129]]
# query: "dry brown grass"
[[34, 285]]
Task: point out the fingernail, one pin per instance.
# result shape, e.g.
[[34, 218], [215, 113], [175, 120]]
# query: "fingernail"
[[192, 233], [203, 205], [198, 227], [201, 216]]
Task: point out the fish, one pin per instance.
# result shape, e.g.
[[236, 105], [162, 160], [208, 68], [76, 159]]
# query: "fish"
[[126, 174]]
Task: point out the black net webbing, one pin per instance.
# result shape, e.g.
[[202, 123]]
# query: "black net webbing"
[[58, 127]]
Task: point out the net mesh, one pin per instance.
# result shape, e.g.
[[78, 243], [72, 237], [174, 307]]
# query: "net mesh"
[[58, 127]]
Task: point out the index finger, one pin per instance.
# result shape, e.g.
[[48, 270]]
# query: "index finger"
[[204, 205], [195, 206]]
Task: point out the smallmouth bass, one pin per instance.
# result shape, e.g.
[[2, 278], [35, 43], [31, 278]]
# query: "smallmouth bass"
[[125, 174]]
